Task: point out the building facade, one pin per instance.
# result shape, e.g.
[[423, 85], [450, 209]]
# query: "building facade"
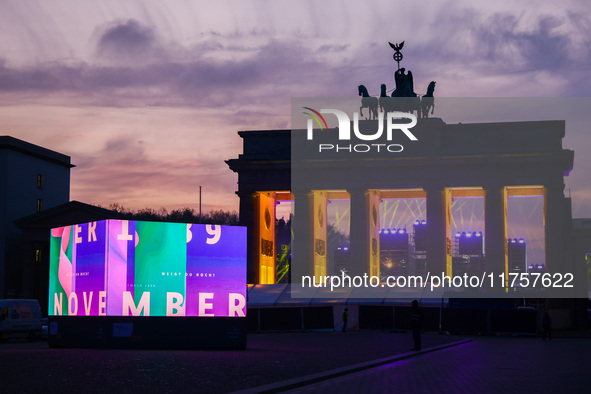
[[32, 179]]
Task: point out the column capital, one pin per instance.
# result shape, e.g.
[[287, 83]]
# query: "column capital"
[[434, 188], [554, 186], [356, 193], [300, 192], [320, 192], [490, 187], [244, 194], [357, 190]]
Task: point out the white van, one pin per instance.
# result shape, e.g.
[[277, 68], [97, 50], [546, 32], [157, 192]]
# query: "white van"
[[20, 319]]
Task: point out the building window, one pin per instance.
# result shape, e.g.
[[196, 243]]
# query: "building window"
[[39, 181], [37, 255], [39, 205]]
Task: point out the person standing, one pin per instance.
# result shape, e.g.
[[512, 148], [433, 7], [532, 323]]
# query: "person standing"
[[345, 319], [415, 324]]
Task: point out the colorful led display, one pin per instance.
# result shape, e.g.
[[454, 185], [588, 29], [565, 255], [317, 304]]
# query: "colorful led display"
[[134, 268]]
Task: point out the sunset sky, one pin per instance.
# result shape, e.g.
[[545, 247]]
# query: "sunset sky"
[[147, 96]]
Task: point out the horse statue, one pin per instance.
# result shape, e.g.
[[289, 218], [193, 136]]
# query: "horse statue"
[[428, 101], [408, 104], [390, 104], [384, 98], [367, 101]]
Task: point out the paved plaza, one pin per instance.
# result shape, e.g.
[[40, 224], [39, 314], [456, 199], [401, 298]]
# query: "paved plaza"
[[482, 364]]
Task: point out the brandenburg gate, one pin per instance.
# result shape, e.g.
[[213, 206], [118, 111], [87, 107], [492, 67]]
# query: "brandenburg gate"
[[490, 160]]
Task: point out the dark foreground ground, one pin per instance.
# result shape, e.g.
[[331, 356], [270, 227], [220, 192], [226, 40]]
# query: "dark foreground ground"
[[487, 364]]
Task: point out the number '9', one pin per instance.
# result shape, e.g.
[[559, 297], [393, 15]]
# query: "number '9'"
[[215, 231]]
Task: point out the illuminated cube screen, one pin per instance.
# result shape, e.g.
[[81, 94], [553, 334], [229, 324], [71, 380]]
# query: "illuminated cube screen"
[[133, 268]]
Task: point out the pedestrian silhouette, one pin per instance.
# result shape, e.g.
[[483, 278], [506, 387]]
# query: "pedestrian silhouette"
[[415, 324], [345, 319], [546, 326]]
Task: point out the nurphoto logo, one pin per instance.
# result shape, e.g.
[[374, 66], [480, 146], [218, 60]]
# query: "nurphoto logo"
[[344, 130]]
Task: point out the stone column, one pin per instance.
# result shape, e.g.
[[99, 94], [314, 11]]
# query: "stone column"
[[364, 232], [555, 228], [261, 236], [247, 218], [439, 230], [495, 231], [302, 259], [318, 218]]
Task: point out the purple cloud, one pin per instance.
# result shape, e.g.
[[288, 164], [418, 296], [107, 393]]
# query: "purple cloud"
[[128, 39], [134, 67]]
